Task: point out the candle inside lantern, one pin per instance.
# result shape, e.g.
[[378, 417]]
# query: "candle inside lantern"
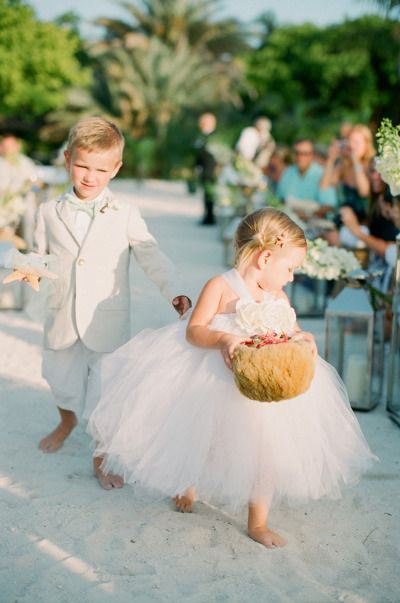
[[355, 377]]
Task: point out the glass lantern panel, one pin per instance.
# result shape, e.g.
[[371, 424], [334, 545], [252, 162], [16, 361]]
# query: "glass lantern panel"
[[393, 402]]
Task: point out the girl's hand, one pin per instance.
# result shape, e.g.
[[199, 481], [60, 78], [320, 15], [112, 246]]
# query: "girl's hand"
[[309, 337], [228, 344]]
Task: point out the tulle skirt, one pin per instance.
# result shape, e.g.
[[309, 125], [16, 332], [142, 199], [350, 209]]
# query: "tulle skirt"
[[170, 417]]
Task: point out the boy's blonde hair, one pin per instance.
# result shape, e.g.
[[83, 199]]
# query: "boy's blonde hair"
[[95, 134], [266, 228]]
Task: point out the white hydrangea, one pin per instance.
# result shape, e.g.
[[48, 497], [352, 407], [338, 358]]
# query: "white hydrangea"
[[272, 315], [326, 262], [388, 165], [12, 208], [222, 153]]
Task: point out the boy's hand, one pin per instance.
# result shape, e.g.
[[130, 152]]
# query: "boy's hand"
[[19, 275], [228, 345], [181, 304], [309, 337]]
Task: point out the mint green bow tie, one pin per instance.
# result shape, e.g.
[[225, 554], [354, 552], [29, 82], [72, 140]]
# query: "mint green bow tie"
[[89, 207]]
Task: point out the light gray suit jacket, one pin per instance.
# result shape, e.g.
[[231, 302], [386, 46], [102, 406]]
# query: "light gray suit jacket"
[[90, 300]]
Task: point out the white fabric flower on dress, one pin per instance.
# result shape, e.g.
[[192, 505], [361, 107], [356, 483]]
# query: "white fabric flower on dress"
[[272, 315]]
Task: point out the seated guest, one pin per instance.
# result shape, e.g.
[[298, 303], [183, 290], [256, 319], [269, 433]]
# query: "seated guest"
[[384, 252], [280, 159], [302, 181], [382, 233], [381, 220], [347, 169]]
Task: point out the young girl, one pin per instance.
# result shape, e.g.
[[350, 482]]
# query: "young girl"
[[170, 415]]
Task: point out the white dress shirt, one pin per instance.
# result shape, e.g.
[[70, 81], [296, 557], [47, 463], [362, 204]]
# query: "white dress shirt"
[[80, 219]]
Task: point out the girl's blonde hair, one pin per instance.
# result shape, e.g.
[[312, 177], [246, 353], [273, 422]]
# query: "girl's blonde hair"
[[95, 134], [368, 139], [266, 228]]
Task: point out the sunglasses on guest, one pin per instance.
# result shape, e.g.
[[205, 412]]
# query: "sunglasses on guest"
[[305, 153]]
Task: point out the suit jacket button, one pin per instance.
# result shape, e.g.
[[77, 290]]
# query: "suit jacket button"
[[81, 261]]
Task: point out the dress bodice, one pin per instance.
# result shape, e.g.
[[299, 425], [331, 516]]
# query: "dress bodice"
[[227, 322]]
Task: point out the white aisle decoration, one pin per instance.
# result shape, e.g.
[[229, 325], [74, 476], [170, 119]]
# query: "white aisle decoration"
[[324, 261], [388, 161]]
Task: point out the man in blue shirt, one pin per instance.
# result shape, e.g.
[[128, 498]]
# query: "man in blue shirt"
[[302, 180]]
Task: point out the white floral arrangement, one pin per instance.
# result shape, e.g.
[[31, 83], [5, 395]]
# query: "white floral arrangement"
[[12, 208], [324, 261], [388, 161], [222, 154], [271, 316], [238, 183], [243, 172]]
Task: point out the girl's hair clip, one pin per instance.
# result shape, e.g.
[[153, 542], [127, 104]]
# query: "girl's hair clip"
[[279, 240]]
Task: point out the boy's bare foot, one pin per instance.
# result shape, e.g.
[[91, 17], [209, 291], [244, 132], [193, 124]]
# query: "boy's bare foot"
[[107, 481], [184, 503], [267, 537], [55, 439]]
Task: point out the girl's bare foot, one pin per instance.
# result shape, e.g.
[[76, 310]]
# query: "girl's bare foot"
[[257, 526], [184, 503], [267, 537], [107, 481], [55, 439]]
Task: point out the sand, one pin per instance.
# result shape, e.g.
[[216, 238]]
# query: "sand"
[[64, 539]]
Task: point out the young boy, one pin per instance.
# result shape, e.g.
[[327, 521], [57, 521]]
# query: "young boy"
[[90, 235]]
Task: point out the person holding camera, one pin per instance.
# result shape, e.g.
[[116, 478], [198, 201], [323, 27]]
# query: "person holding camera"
[[347, 168]]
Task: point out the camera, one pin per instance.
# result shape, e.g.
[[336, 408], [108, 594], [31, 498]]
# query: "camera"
[[343, 144]]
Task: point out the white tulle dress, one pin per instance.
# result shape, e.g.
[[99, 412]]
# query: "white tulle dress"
[[170, 417]]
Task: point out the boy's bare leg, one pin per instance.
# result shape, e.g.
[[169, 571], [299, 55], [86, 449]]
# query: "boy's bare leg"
[[184, 503], [55, 439], [107, 481], [257, 526]]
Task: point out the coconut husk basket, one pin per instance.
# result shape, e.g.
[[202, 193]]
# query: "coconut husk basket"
[[273, 372]]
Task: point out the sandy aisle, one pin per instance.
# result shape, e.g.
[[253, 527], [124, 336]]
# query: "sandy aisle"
[[64, 539]]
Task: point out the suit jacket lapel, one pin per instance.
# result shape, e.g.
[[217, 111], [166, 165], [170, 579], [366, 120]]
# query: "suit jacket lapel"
[[65, 216]]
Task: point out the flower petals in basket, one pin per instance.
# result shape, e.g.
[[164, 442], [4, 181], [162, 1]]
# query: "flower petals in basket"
[[271, 368]]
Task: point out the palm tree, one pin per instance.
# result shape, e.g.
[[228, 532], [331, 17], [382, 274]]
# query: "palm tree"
[[172, 56], [389, 7], [177, 21]]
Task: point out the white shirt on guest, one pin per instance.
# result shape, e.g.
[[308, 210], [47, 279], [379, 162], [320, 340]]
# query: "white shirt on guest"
[[248, 143]]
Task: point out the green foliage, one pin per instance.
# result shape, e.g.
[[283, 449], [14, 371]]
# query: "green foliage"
[[309, 78], [171, 57], [169, 60], [388, 135], [37, 63], [140, 158]]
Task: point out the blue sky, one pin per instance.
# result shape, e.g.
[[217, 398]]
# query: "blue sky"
[[287, 11]]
